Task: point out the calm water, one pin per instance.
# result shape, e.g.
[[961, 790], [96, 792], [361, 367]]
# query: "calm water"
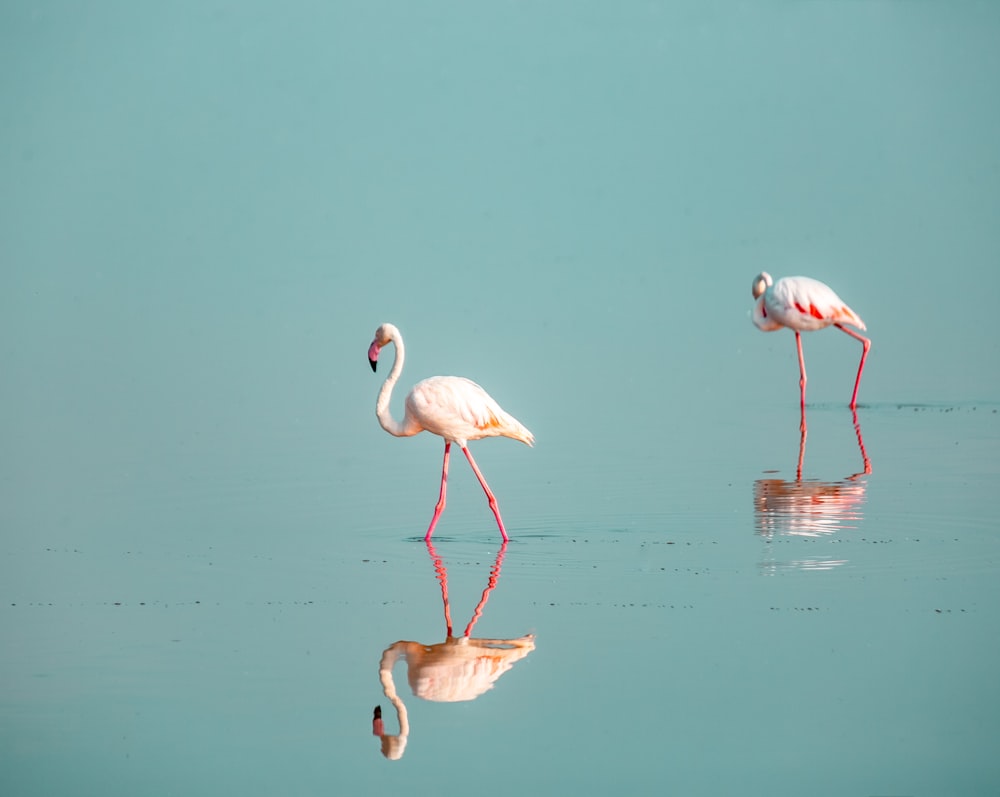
[[209, 545]]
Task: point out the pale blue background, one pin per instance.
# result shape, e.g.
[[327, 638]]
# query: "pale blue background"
[[207, 208]]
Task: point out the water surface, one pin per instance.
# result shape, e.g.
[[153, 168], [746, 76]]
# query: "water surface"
[[208, 542]]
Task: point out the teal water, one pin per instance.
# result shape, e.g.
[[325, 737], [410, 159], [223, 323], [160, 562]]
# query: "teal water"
[[208, 542]]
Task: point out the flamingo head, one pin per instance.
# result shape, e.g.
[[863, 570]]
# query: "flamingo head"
[[384, 334], [761, 283]]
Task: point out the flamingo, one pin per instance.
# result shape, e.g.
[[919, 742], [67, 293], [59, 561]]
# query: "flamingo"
[[803, 304], [453, 407]]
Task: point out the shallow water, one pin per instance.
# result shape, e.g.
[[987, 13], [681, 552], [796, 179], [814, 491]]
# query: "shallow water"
[[209, 544]]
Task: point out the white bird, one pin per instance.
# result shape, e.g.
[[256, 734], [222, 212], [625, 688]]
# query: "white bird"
[[803, 304], [453, 407]]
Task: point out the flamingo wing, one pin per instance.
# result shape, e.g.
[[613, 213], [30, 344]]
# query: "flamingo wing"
[[806, 303], [458, 409]]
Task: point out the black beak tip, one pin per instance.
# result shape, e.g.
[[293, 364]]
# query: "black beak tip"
[[372, 363]]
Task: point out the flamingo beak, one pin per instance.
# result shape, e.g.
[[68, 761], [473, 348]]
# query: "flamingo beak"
[[373, 351], [377, 728]]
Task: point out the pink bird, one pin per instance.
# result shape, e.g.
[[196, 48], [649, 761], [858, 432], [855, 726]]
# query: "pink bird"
[[803, 305], [451, 406]]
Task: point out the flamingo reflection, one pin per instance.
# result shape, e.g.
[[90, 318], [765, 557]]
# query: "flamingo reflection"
[[811, 508], [460, 668]]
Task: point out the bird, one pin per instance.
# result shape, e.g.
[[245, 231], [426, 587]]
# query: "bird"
[[804, 304], [453, 407]]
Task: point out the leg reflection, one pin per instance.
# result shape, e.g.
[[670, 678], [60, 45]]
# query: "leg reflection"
[[861, 445], [441, 572], [803, 434]]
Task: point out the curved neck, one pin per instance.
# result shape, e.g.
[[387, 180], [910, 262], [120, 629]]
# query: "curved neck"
[[390, 424]]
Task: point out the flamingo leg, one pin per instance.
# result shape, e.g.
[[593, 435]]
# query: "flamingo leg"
[[866, 344], [802, 379], [439, 508], [489, 493]]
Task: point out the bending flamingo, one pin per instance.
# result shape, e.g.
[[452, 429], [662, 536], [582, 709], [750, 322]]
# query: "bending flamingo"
[[803, 305], [451, 406]]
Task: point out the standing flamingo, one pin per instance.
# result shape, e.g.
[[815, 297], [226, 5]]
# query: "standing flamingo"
[[451, 406], [803, 305]]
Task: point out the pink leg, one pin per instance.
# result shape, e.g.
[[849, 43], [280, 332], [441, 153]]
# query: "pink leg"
[[867, 344], [802, 380], [441, 497], [489, 493]]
